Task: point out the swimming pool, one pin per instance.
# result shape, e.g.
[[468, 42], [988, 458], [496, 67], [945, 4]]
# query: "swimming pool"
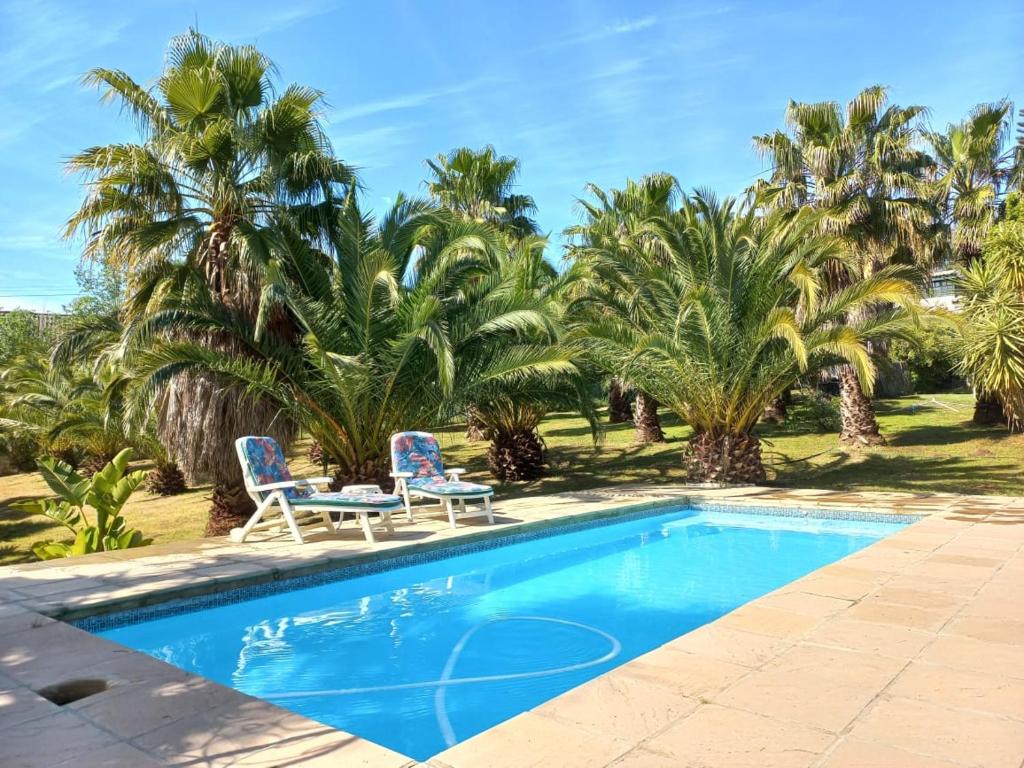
[[423, 656]]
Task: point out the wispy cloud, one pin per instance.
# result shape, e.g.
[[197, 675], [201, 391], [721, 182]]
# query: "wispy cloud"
[[52, 40], [254, 25], [373, 148], [623, 27], [410, 100]]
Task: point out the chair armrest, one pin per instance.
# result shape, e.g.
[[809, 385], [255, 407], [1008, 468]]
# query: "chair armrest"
[[315, 481], [274, 486], [455, 471], [401, 474]]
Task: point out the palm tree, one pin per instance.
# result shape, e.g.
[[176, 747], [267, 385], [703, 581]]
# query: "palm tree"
[[63, 409], [973, 165], [479, 184], [715, 309], [520, 282], [992, 330], [613, 215], [222, 162], [862, 172], [395, 331]]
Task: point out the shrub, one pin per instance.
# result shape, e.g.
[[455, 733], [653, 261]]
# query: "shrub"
[[813, 411], [105, 493], [931, 363]]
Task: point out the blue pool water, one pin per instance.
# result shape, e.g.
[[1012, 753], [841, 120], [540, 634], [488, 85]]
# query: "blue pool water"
[[423, 656]]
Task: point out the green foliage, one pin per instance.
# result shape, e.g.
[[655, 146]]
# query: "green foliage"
[[714, 309], [972, 167], [228, 169], [1014, 207], [818, 411], [931, 359], [57, 403], [863, 171], [102, 290], [992, 332], [403, 323], [104, 494], [811, 412], [20, 334], [479, 185]]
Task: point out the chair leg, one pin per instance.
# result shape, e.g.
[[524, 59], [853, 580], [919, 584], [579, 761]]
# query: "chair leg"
[[462, 506], [325, 515], [451, 513], [364, 519], [405, 495], [385, 515], [488, 510], [245, 530], [286, 511]]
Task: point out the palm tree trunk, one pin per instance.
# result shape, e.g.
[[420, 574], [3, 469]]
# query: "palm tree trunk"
[[645, 417], [618, 403], [724, 458], [375, 470], [166, 479], [988, 410], [230, 507], [516, 455], [476, 430], [199, 419], [778, 409], [859, 425]]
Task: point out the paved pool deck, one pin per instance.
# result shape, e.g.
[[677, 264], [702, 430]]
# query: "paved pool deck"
[[908, 653]]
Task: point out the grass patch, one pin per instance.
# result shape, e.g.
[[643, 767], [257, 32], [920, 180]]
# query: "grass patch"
[[932, 447]]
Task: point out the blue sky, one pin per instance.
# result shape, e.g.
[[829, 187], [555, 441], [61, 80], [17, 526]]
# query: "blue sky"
[[579, 91]]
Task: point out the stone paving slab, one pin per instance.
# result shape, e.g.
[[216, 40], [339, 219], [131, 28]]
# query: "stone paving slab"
[[907, 653]]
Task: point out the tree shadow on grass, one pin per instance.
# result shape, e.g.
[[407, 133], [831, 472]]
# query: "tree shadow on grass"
[[17, 524], [575, 468], [916, 474], [945, 434]]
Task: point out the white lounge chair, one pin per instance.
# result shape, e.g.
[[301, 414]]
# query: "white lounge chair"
[[269, 483], [418, 471]]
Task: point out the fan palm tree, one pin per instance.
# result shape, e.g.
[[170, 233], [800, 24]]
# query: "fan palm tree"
[[861, 171], [222, 161], [973, 165], [479, 184], [714, 309], [617, 214]]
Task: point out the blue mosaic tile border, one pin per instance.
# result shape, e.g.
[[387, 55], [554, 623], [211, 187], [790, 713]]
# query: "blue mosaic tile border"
[[816, 513], [342, 571]]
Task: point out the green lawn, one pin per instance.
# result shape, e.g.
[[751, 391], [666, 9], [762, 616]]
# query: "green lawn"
[[932, 447]]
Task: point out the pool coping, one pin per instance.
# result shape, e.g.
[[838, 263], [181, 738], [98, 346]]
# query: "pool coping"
[[948, 518]]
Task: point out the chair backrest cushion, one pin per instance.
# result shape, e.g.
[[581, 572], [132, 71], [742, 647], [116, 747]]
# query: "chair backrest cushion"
[[263, 463], [416, 452]]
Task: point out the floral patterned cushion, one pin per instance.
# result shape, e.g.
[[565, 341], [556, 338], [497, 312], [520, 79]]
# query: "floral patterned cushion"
[[266, 465], [443, 487], [416, 452]]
